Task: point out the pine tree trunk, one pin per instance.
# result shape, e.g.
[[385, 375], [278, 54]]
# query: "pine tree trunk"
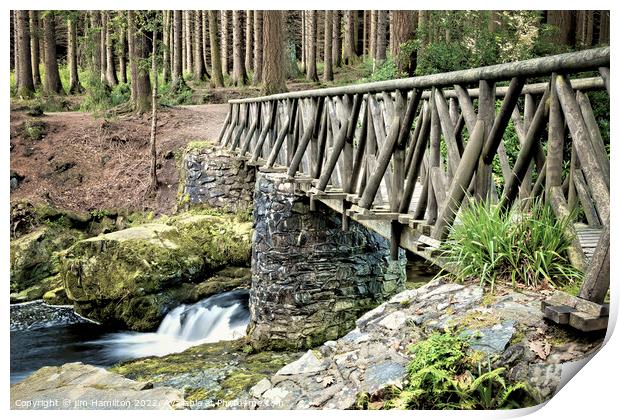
[[423, 27], [311, 70], [166, 41], [258, 47], [356, 30], [365, 34], [249, 41], [187, 23], [564, 20], [122, 57], [350, 56], [154, 182], [199, 68], [373, 34], [139, 75], [217, 79], [204, 20], [391, 30], [95, 24], [74, 79], [110, 73], [52, 78], [304, 42], [337, 39], [225, 38], [34, 47], [603, 34], [177, 51], [328, 71], [239, 76], [25, 86], [103, 48], [15, 45], [381, 37], [403, 22], [274, 65]]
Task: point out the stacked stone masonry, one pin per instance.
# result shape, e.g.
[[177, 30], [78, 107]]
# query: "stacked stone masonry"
[[216, 179], [310, 279]]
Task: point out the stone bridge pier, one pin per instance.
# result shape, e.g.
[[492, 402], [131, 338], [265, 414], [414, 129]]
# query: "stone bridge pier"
[[310, 279]]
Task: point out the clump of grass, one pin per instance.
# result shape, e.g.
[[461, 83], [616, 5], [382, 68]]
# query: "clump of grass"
[[520, 247], [34, 129]]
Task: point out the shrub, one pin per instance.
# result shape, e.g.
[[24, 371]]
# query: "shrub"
[[527, 248]]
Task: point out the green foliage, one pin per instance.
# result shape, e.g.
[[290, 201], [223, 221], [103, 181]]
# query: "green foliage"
[[182, 94], [443, 376], [385, 71], [34, 129], [527, 248]]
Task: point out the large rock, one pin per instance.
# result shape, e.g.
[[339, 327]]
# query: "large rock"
[[372, 358], [75, 386], [34, 259], [131, 278]]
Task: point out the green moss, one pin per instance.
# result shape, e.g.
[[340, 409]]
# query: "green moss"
[[198, 145], [233, 370]]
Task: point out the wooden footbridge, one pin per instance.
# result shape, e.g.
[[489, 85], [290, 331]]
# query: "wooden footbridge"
[[403, 156]]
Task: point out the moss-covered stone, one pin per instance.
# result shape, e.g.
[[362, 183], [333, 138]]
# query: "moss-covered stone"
[[133, 277], [34, 256], [209, 373]]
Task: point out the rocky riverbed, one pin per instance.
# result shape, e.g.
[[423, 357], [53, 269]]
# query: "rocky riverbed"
[[38, 314]]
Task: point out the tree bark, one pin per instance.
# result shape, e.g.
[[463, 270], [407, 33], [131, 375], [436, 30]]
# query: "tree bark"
[[258, 47], [350, 56], [103, 48], [34, 47], [249, 41], [52, 77], [139, 75], [225, 43], [25, 84], [311, 39], [403, 22], [166, 41], [95, 26], [217, 79], [239, 77], [365, 33], [110, 73], [603, 33], [381, 37], [187, 24], [204, 20], [328, 72], [199, 68], [564, 21], [15, 45], [74, 79], [154, 182], [177, 64], [373, 34], [274, 67], [122, 57], [337, 39]]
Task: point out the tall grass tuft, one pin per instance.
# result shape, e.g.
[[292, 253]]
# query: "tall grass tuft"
[[522, 248]]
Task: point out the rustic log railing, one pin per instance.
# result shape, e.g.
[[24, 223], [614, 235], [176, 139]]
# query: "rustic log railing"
[[410, 152]]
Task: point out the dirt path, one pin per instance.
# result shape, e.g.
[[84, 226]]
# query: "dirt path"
[[86, 163]]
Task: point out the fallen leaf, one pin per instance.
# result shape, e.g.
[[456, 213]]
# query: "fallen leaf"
[[541, 348]]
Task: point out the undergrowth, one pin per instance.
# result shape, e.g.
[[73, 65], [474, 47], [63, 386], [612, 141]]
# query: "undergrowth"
[[445, 375]]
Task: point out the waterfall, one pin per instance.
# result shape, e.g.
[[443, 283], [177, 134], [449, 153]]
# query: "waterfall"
[[217, 318]]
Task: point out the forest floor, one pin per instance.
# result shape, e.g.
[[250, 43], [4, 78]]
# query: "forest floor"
[[85, 163]]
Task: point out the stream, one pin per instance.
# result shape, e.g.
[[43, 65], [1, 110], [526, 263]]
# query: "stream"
[[61, 338]]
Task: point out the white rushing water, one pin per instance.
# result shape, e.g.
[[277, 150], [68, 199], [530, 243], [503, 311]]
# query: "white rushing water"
[[217, 318]]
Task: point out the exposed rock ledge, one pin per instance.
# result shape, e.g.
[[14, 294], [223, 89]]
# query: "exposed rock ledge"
[[507, 325], [78, 386]]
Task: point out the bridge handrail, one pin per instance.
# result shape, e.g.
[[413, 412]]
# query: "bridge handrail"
[[569, 62]]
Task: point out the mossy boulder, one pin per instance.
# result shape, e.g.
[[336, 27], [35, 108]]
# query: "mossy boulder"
[[35, 257], [131, 278], [210, 375]]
